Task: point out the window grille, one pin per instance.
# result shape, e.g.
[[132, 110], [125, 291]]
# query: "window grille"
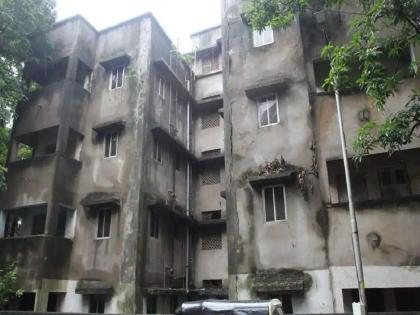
[[211, 241], [210, 63], [210, 176], [210, 120]]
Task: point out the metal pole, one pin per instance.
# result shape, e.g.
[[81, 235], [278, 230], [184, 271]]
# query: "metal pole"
[[353, 221]]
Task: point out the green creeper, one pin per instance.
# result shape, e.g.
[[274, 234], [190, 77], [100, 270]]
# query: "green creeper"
[[23, 28]]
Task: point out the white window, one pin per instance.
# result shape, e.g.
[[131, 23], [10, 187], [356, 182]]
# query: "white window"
[[111, 142], [116, 78], [268, 110], [157, 151], [160, 90], [104, 223], [264, 37], [274, 199]]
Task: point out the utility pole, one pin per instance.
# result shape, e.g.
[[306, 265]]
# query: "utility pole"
[[353, 221]]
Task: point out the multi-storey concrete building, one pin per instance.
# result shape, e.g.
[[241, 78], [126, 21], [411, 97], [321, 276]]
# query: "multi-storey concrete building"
[[289, 232], [125, 204], [126, 166]]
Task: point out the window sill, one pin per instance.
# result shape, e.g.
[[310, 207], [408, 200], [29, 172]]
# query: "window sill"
[[275, 222], [102, 238], [270, 125], [263, 45]]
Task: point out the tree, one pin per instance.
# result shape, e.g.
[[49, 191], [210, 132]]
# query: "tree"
[[23, 28], [8, 284], [367, 51]]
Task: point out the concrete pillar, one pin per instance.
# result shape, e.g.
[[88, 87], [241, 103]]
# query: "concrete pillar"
[[41, 300]]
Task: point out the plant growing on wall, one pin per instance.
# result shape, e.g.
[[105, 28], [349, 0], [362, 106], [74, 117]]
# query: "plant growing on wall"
[[8, 284], [368, 51], [23, 27]]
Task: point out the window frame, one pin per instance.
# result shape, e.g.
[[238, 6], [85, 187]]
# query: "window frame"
[[157, 146], [103, 209], [268, 112], [109, 150], [274, 203], [209, 62], [161, 85], [257, 33], [393, 168], [117, 77], [154, 229]]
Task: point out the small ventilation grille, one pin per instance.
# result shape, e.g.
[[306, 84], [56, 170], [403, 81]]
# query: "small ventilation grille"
[[211, 242], [210, 120], [210, 177]]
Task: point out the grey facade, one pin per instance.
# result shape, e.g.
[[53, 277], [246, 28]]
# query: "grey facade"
[[157, 178], [98, 218], [305, 257]]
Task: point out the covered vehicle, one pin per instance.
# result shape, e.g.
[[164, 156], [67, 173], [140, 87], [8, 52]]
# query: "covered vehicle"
[[208, 307]]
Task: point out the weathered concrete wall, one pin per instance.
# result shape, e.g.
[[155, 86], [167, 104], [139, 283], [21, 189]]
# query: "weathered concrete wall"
[[206, 38], [209, 85], [299, 241]]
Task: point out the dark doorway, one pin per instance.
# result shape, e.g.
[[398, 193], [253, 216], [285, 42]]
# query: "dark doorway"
[[24, 303], [54, 301]]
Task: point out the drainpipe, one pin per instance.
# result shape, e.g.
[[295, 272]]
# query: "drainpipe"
[[187, 250], [353, 221]]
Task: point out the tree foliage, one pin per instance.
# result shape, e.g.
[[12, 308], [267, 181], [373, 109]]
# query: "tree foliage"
[[23, 27], [8, 284], [380, 30]]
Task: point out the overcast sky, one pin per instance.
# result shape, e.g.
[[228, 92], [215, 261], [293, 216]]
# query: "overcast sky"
[[179, 18]]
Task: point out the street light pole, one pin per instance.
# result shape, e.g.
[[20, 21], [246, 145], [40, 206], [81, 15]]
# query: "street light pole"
[[353, 221]]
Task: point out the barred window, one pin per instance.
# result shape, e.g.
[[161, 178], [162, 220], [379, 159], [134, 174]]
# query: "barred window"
[[211, 241], [210, 63], [210, 120], [210, 176]]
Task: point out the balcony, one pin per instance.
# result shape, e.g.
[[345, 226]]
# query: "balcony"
[[38, 256], [165, 135], [50, 105], [214, 218], [31, 180], [176, 72], [160, 204]]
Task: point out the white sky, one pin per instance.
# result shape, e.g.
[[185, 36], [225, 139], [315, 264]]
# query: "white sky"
[[179, 18]]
